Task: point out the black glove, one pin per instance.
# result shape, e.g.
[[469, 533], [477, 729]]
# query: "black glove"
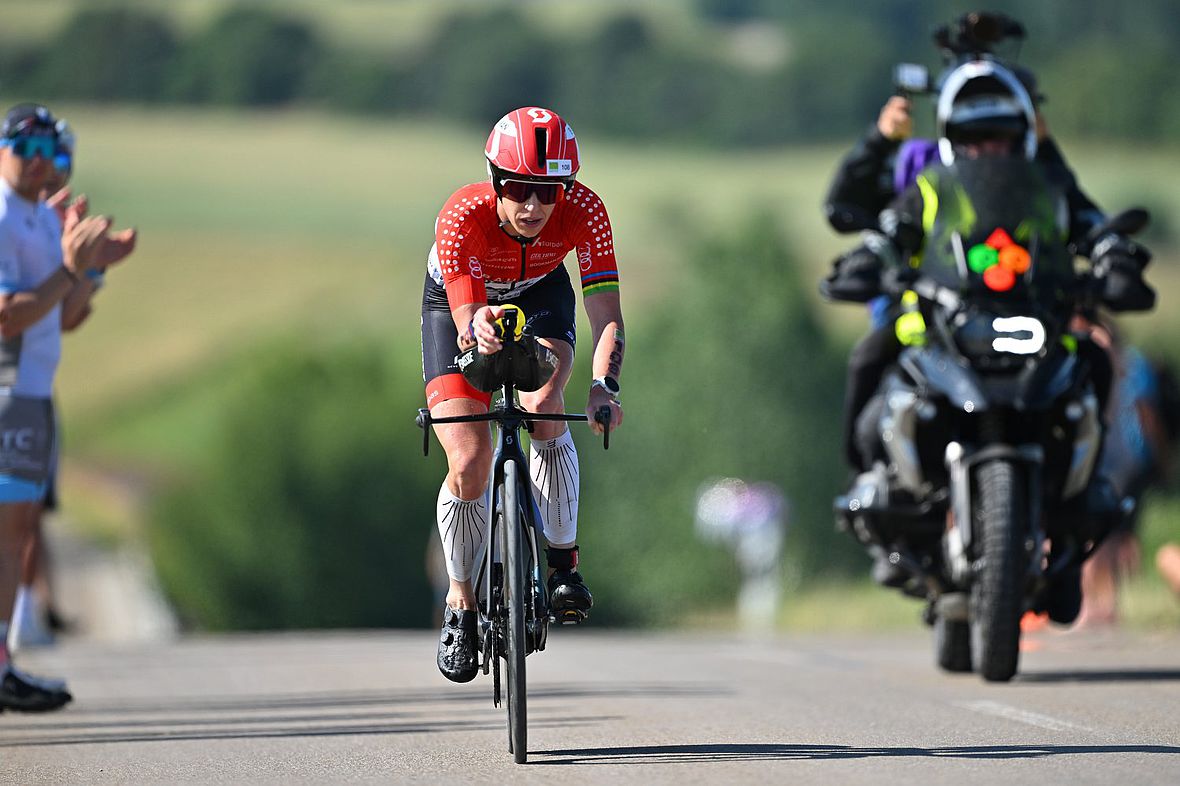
[[1118, 266], [1122, 285], [855, 277], [1113, 245], [902, 230]]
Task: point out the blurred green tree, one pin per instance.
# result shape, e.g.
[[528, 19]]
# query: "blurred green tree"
[[247, 57], [108, 54], [315, 506]]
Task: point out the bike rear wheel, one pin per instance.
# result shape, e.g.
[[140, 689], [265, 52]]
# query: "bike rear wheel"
[[515, 585]]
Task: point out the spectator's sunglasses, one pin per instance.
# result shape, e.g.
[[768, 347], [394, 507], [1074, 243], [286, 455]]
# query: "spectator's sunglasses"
[[29, 147], [519, 190]]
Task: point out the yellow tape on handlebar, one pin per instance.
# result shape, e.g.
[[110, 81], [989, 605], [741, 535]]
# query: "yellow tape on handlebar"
[[520, 320]]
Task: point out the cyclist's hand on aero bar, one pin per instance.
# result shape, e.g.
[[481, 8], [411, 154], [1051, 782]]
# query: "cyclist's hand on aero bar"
[[599, 398], [483, 330]]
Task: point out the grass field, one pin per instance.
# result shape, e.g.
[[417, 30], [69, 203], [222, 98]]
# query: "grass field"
[[264, 224]]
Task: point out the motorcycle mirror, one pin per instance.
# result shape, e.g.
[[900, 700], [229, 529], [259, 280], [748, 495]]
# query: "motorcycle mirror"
[[1127, 222], [1132, 221]]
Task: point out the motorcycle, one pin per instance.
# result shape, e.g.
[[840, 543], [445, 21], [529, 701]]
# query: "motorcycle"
[[985, 433]]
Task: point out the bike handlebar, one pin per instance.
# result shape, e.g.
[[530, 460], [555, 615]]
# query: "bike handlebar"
[[602, 417], [425, 420]]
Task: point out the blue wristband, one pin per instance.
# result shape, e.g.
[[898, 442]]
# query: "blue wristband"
[[95, 276]]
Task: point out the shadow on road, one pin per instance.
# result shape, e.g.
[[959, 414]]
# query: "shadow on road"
[[695, 754], [444, 693], [444, 708], [1110, 675], [187, 729]]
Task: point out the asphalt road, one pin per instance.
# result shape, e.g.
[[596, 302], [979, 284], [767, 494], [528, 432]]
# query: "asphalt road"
[[605, 708]]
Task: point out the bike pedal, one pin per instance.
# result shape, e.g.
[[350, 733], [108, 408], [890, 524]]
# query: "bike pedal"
[[569, 617]]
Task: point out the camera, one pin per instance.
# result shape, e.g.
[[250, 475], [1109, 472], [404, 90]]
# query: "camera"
[[972, 36], [911, 79]]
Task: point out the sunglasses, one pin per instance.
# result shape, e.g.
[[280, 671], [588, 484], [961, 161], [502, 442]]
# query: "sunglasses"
[[519, 190], [29, 147]]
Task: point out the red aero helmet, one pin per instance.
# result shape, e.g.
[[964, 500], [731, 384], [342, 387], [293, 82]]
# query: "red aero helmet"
[[532, 142]]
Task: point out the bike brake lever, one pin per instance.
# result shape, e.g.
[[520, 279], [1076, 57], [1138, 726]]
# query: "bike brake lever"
[[423, 421], [602, 417]]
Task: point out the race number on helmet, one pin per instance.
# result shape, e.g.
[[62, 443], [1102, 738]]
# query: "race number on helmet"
[[532, 142]]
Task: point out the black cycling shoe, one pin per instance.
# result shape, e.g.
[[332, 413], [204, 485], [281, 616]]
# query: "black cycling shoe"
[[569, 597], [458, 645], [24, 693]]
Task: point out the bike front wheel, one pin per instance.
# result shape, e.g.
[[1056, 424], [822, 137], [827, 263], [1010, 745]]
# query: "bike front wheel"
[[516, 585]]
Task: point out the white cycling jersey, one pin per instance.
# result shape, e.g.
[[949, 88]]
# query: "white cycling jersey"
[[30, 252]]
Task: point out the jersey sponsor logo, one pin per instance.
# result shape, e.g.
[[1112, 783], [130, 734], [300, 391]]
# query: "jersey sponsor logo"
[[506, 290], [17, 439], [474, 266], [585, 259]]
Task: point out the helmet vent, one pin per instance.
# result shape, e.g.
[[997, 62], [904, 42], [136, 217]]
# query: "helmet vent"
[[542, 146]]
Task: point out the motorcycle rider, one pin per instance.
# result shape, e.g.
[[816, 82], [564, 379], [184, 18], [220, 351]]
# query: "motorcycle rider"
[[984, 111], [886, 160]]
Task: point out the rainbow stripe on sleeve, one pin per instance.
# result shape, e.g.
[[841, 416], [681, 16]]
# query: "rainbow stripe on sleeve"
[[604, 281]]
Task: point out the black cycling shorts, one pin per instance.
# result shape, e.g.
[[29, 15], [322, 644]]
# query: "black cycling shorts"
[[548, 306]]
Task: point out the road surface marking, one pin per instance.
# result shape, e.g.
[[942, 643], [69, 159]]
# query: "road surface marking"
[[1009, 712]]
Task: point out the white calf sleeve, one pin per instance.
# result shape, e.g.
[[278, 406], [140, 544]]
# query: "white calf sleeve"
[[463, 526], [553, 464]]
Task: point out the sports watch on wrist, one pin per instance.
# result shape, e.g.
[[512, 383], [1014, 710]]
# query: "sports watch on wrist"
[[609, 384]]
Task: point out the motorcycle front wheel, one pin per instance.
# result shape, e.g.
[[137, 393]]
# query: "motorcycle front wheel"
[[997, 597]]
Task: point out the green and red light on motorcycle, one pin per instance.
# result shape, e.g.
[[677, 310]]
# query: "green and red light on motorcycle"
[[999, 260]]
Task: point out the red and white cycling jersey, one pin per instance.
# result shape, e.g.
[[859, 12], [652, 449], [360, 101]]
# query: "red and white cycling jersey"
[[477, 261]]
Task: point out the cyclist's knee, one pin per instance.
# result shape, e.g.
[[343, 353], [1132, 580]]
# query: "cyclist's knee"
[[544, 400], [548, 401], [469, 468]]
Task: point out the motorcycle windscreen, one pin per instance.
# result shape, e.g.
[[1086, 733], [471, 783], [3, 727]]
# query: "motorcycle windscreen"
[[995, 228]]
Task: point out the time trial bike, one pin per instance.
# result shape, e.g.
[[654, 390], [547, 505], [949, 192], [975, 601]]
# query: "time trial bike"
[[514, 610]]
